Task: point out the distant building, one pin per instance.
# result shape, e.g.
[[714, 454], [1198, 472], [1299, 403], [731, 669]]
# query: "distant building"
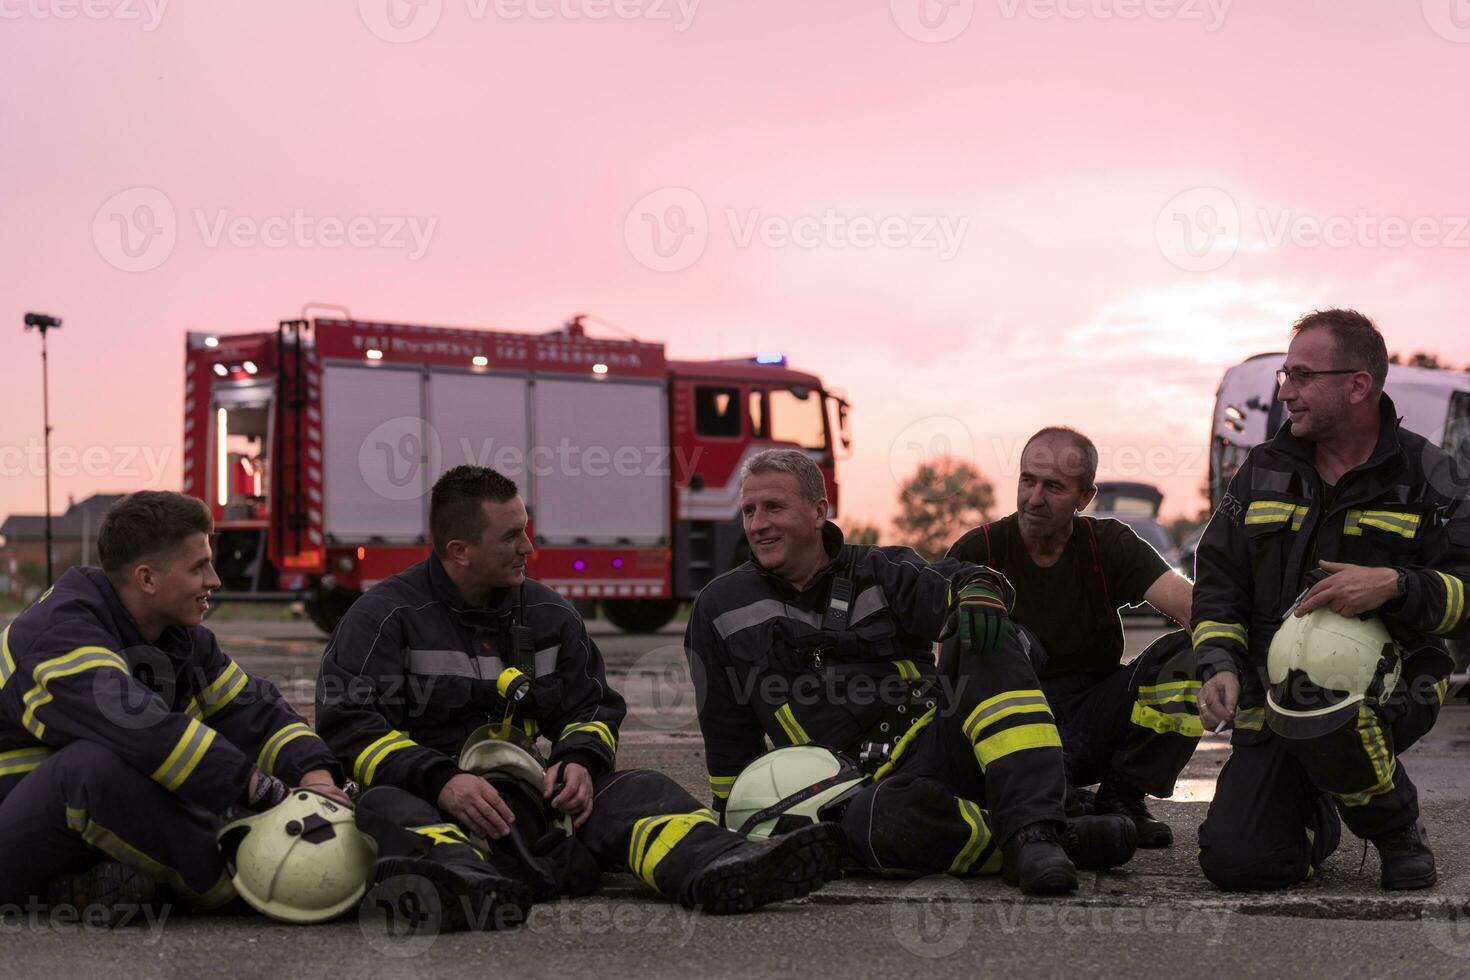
[[73, 540]]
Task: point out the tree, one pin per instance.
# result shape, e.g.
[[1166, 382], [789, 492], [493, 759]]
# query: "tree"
[[861, 534], [941, 501], [1419, 358]]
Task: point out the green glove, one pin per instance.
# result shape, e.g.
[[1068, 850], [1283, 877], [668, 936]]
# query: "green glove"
[[984, 621]]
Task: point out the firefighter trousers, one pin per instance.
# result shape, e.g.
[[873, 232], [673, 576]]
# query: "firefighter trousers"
[[1280, 803], [642, 822], [84, 805], [969, 774], [1137, 725]]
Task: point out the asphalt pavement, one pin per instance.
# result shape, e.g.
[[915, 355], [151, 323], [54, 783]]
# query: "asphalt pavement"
[[1156, 917]]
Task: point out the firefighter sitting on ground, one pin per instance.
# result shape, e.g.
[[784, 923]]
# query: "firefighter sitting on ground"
[[462, 647], [815, 642], [1366, 519], [125, 732], [1131, 728]]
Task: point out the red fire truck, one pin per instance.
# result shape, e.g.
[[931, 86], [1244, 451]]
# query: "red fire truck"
[[316, 444]]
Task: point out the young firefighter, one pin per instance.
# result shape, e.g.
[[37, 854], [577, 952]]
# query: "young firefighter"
[[428, 657], [125, 732]]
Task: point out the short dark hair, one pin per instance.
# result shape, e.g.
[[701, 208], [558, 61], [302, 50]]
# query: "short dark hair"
[[1080, 462], [1356, 339], [149, 522], [455, 511]]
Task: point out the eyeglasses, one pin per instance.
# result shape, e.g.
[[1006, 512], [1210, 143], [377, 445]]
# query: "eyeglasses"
[[1300, 376]]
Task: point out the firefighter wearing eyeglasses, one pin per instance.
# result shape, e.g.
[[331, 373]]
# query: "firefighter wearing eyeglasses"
[[1342, 510]]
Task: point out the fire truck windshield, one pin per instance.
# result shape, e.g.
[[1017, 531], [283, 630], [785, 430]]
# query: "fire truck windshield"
[[796, 416]]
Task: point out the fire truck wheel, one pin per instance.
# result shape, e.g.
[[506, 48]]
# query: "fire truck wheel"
[[326, 607], [639, 615]]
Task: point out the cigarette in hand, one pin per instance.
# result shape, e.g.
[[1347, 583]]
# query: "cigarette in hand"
[[1220, 727]]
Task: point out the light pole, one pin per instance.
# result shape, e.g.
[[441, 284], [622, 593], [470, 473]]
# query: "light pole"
[[44, 322]]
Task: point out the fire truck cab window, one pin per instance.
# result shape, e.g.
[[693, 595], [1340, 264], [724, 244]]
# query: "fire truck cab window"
[[758, 428], [717, 411], [242, 481], [796, 416], [1457, 429]]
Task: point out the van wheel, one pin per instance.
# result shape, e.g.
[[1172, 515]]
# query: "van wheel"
[[640, 615], [326, 606]]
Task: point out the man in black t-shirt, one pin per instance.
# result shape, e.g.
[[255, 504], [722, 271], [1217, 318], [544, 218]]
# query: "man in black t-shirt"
[[1131, 728]]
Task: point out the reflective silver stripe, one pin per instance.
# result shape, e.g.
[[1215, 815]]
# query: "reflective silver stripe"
[[184, 757], [546, 660], [22, 760], [454, 663], [760, 611], [869, 602]]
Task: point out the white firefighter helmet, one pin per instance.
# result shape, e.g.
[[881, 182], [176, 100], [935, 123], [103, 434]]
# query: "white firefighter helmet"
[[1321, 666], [496, 759], [303, 860], [788, 788]]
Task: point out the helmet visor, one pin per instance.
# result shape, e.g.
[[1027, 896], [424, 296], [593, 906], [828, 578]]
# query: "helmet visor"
[[1298, 707]]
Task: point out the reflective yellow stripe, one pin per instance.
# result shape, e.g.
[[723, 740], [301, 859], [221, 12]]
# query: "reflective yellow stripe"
[[1250, 719], [1002, 706], [118, 849], [1269, 511], [1018, 739], [1180, 691], [1395, 522], [1442, 689], [187, 752], [907, 739], [654, 837], [1454, 603], [719, 786], [1380, 757], [271, 751], [1184, 723], [979, 838], [365, 766], [78, 660], [794, 732], [1209, 629], [599, 728], [907, 669], [442, 833], [221, 691], [20, 761], [7, 662]]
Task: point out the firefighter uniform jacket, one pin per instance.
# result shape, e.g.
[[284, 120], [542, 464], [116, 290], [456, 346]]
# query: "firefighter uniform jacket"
[[413, 669], [764, 664], [76, 668], [1404, 508]]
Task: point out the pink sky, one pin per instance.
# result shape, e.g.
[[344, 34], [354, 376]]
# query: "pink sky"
[[1058, 137]]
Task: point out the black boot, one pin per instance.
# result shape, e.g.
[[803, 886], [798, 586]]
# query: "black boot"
[[1405, 858], [755, 873], [415, 895], [1034, 859], [1099, 843], [121, 890], [1080, 802], [1125, 800]]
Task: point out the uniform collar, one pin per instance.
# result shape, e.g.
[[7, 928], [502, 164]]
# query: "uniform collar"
[[176, 639], [832, 540], [442, 587], [1387, 448]]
